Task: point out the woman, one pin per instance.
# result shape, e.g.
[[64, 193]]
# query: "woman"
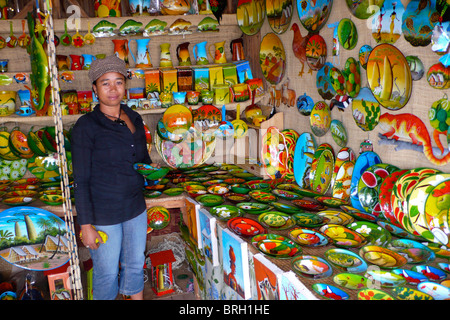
[[106, 143]]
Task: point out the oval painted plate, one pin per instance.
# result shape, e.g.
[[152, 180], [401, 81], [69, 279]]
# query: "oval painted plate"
[[209, 200], [311, 267], [384, 278], [336, 216], [276, 246], [437, 214], [338, 133], [245, 226], [308, 237], [207, 118], [320, 118], [364, 161], [382, 257], [262, 196], [343, 236], [272, 58], [330, 292], [323, 82], [316, 52], [385, 193], [247, 25], [218, 189], [432, 273], [366, 110], [389, 76], [374, 294], [274, 153], [305, 104], [342, 181], [27, 224], [347, 34], [363, 54], [279, 14], [285, 194], [284, 207], [254, 207], [309, 219], [405, 293], [346, 260], [303, 156], [413, 251], [313, 15], [376, 234], [437, 291], [331, 202], [418, 23], [322, 171], [177, 119], [350, 281], [365, 8], [387, 22], [225, 212], [411, 277], [276, 220], [309, 205]]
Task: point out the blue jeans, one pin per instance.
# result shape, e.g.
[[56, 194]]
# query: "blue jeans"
[[124, 249]]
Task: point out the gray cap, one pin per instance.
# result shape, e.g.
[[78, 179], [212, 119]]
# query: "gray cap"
[[109, 64]]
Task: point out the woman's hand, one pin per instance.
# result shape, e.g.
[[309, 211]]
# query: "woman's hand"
[[90, 237]]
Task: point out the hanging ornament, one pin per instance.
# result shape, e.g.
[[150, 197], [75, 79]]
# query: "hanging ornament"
[[217, 8]]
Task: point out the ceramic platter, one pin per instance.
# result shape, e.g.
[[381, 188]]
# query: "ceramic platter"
[[253, 207], [385, 193], [413, 251], [262, 196], [278, 14], [350, 281], [336, 216], [309, 219], [225, 212], [438, 215], [311, 267], [303, 156], [382, 257], [247, 25], [373, 232], [27, 223], [308, 237], [322, 168], [346, 260], [364, 161], [276, 246], [389, 76], [274, 153], [320, 118], [272, 58], [417, 205], [276, 220], [177, 119], [313, 15], [384, 278], [330, 292], [245, 226], [343, 236]]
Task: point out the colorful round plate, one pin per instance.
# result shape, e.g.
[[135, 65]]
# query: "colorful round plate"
[[374, 233], [316, 52], [311, 267], [247, 25], [272, 58], [276, 246], [346, 260], [336, 216], [350, 281], [384, 278], [366, 110], [262, 196], [284, 207], [285, 194], [313, 15], [308, 237], [338, 133], [225, 212], [374, 294], [210, 200], [309, 205], [343, 236], [382, 257], [322, 171], [254, 207], [245, 226], [276, 220], [320, 118], [385, 193], [177, 119], [413, 251]]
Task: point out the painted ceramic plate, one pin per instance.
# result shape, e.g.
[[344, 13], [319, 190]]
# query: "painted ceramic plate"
[[245, 227], [382, 257], [257, 8], [342, 181], [225, 212], [320, 118], [290, 137], [305, 104], [347, 34], [323, 82], [18, 201], [432, 273], [316, 52], [209, 200], [158, 218], [311, 267], [366, 110], [276, 220], [272, 58], [350, 281], [207, 118], [276, 246], [331, 202], [303, 156], [236, 197], [364, 161], [322, 171], [254, 207], [376, 234], [218, 189], [437, 291], [52, 199], [285, 194], [307, 193], [405, 293], [343, 236], [330, 292], [369, 186], [389, 76], [314, 14], [274, 153], [416, 66], [437, 214], [363, 55], [336, 216], [387, 22], [262, 196], [384, 278], [284, 207], [309, 219], [418, 22], [308, 237], [338, 133], [374, 294], [177, 119], [309, 205], [411, 277], [279, 14], [27, 222], [364, 9], [346, 260], [385, 193]]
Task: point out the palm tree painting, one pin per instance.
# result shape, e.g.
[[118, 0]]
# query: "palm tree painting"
[[33, 238]]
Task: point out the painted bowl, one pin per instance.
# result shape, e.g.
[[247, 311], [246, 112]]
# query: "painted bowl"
[[308, 237], [52, 199], [254, 207], [144, 168], [236, 197], [240, 188], [210, 200], [218, 189], [226, 212], [173, 191], [158, 217], [245, 226], [7, 103], [158, 174], [18, 201]]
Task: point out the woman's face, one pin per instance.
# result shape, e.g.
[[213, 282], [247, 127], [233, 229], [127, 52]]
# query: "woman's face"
[[110, 88]]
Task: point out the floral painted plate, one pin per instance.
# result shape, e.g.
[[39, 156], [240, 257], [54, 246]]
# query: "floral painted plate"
[[308, 237], [311, 267], [405, 293], [342, 236], [261, 196], [330, 292], [245, 226], [384, 278], [309, 219], [374, 294], [374, 233], [336, 216], [254, 207], [276, 246], [350, 281], [225, 212], [382, 257], [346, 260], [284, 194], [276, 220]]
